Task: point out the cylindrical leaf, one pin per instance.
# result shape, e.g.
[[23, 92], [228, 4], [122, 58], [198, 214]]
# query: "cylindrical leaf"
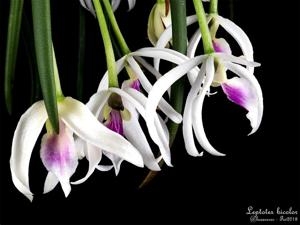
[[43, 48], [13, 33]]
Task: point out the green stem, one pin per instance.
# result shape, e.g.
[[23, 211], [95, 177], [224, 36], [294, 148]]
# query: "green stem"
[[43, 48], [179, 37], [81, 53], [13, 34], [109, 52], [213, 7], [206, 38], [123, 45]]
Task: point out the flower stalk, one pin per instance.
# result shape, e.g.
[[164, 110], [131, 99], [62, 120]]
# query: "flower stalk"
[[123, 45], [206, 38], [213, 7], [109, 52]]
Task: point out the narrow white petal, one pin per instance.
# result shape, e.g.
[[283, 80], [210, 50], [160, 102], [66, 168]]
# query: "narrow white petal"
[[197, 110], [157, 130], [148, 66], [115, 4], [131, 4], [163, 105], [104, 168], [241, 38], [187, 114], [120, 64], [93, 155], [166, 37], [234, 59], [156, 94], [134, 133], [256, 107], [25, 136], [82, 122], [50, 182], [116, 161], [191, 50], [87, 4], [97, 102]]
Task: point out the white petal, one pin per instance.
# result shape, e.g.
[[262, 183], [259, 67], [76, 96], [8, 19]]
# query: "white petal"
[[148, 66], [191, 50], [93, 155], [156, 94], [256, 106], [116, 161], [104, 168], [79, 119], [80, 145], [120, 64], [131, 4], [97, 102], [25, 136], [166, 37], [50, 182], [197, 110], [87, 4], [187, 128], [163, 105], [239, 60], [241, 38], [134, 133], [158, 131], [115, 4]]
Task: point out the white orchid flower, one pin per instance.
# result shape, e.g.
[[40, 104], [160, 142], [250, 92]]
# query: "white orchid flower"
[[58, 152], [234, 30], [244, 91], [88, 5], [125, 121]]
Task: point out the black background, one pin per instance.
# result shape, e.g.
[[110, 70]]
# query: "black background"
[[261, 170]]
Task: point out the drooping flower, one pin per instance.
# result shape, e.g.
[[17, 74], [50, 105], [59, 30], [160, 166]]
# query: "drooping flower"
[[159, 19], [88, 5], [119, 109], [58, 152], [243, 90], [234, 30]]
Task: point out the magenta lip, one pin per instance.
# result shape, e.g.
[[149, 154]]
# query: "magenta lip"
[[136, 85], [115, 122]]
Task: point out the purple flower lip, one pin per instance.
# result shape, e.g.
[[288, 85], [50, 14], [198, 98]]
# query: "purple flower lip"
[[115, 122], [136, 85], [235, 94]]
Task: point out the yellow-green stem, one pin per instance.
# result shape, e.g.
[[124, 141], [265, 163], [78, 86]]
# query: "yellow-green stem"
[[206, 38], [109, 52]]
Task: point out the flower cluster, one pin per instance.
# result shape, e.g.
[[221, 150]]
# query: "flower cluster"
[[109, 124]]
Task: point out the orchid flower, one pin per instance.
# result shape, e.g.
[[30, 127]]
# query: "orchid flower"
[[159, 19], [58, 152], [88, 5], [235, 31], [244, 91], [119, 109]]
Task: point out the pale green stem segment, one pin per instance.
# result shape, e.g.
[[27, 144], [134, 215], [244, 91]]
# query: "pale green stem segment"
[[43, 47], [206, 38], [109, 52], [213, 7], [123, 45], [13, 34]]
